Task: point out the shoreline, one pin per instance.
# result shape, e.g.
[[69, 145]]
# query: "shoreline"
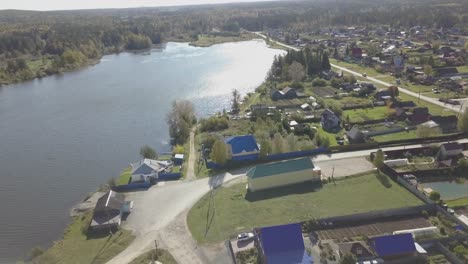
[[93, 62]]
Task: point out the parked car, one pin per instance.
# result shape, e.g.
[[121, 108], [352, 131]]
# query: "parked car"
[[364, 75], [245, 236], [451, 211]]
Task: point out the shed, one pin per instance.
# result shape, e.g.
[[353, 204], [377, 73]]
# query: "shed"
[[178, 159], [271, 175], [282, 244], [355, 135], [393, 246]]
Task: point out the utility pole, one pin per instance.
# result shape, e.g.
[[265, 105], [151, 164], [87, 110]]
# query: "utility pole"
[[333, 174]]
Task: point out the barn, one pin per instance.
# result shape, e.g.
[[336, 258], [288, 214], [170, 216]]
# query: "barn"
[[271, 175]]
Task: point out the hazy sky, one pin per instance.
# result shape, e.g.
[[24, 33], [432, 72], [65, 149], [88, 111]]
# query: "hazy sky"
[[89, 4]]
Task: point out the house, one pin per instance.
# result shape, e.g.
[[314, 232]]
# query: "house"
[[148, 169], [242, 148], [430, 124], [446, 123], [108, 211], [449, 150], [356, 248], [282, 244], [277, 174], [394, 247], [286, 93], [418, 115], [355, 135], [329, 120]]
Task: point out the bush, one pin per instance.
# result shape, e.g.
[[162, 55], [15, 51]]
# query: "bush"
[[36, 252], [214, 123], [434, 196], [319, 82], [384, 180]]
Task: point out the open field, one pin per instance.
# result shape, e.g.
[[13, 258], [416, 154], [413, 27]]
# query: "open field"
[[374, 228], [457, 202], [359, 115], [160, 255], [231, 210], [205, 40], [75, 247]]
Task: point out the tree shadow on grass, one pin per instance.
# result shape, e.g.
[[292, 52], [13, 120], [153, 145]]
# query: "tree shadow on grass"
[[300, 188]]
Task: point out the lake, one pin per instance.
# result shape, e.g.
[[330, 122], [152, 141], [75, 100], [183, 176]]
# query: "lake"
[[64, 135], [448, 190]]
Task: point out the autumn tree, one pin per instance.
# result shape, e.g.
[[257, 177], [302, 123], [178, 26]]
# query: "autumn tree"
[[278, 143], [219, 152], [296, 72], [180, 119], [463, 121], [394, 92]]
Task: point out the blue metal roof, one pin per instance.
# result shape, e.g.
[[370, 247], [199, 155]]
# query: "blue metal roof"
[[393, 245], [241, 144], [283, 244]]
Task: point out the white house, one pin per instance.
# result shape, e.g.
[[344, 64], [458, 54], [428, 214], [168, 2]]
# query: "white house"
[[148, 169]]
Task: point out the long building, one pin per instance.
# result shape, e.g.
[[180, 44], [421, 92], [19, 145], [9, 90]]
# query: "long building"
[[271, 175]]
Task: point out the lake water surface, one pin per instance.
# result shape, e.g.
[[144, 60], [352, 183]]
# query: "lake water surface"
[[62, 136]]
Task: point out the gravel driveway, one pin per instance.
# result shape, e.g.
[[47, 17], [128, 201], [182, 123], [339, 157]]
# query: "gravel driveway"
[[344, 167]]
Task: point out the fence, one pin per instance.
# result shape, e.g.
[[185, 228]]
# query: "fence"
[[131, 187], [170, 176], [355, 219], [414, 191]]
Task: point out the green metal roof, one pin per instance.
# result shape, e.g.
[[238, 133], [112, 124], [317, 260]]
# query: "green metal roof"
[[270, 169]]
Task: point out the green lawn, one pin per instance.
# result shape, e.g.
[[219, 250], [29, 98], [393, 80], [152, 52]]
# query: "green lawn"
[[163, 256], [463, 69], [124, 178], [458, 202], [396, 136], [76, 248], [359, 115], [233, 212]]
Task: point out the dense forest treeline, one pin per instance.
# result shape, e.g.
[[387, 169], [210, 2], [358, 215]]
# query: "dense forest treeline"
[[40, 43]]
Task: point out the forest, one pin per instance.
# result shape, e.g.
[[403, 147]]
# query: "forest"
[[35, 44]]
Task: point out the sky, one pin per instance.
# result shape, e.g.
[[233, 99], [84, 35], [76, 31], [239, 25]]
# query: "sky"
[[44, 5]]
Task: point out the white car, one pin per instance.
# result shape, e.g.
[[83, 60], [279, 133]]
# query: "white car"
[[451, 211], [245, 236]]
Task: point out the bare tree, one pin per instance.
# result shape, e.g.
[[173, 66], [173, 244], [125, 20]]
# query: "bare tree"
[[296, 72]]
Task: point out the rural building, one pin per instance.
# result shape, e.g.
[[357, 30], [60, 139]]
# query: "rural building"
[[450, 150], [383, 95], [356, 53], [178, 159], [418, 115], [355, 135], [393, 247], [446, 123], [271, 175], [108, 211], [329, 120], [282, 245], [286, 93], [242, 147], [148, 169]]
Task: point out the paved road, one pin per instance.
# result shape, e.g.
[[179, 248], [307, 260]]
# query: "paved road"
[[158, 207], [454, 108]]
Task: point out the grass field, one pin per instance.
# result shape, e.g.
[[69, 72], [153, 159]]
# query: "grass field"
[[359, 115], [124, 178], [76, 248], [205, 40], [458, 202], [163, 256], [396, 136], [232, 211]]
